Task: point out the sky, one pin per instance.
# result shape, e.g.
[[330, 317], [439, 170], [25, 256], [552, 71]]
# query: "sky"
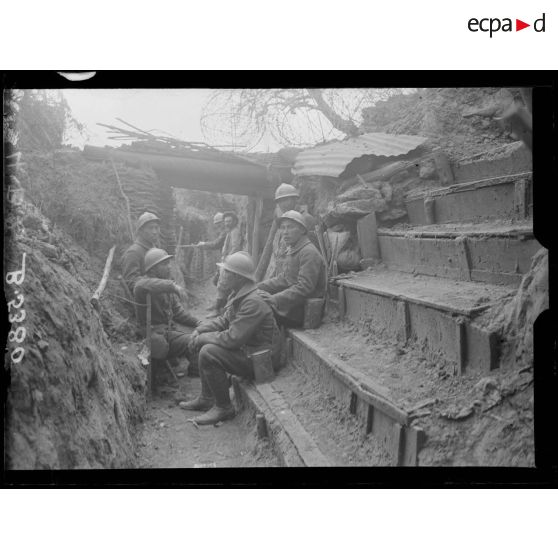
[[173, 112]]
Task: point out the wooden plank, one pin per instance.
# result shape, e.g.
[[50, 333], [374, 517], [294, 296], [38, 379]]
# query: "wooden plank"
[[257, 226], [430, 211], [403, 313], [341, 301], [263, 262], [462, 250], [367, 233], [304, 443], [443, 167], [97, 294], [461, 345], [521, 201], [355, 380], [414, 441], [398, 441]]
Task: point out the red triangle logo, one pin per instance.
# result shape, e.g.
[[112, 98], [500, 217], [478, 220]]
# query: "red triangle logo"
[[519, 25]]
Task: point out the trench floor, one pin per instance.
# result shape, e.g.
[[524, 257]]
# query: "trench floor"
[[169, 441]]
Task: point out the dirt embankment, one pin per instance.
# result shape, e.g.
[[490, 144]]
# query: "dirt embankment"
[[75, 399]]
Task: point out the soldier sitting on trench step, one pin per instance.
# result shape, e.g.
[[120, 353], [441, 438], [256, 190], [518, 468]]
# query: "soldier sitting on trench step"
[[286, 199], [303, 276], [226, 343], [167, 340]]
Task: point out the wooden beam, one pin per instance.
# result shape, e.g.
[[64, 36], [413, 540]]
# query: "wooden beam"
[[261, 268], [257, 227], [148, 343], [367, 232], [97, 294]]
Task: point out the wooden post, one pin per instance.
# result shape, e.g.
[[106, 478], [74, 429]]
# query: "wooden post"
[[148, 343], [97, 294], [367, 233], [398, 447], [256, 231], [126, 200], [521, 201], [341, 301], [443, 167], [266, 253], [463, 257], [430, 211], [461, 345], [250, 212]]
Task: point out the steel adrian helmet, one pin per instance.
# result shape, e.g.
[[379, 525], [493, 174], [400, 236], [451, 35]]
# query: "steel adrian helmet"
[[218, 218], [295, 216], [155, 256], [145, 218], [240, 263], [286, 191]]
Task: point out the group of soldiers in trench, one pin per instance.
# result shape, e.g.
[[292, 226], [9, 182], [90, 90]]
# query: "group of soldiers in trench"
[[248, 317]]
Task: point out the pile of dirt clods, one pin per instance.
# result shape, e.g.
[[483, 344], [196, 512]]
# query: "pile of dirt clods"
[[75, 399]]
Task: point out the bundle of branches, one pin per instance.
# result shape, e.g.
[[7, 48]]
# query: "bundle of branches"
[[157, 142]]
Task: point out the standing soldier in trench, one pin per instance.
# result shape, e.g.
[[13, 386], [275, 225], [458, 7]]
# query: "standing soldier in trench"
[[232, 244], [226, 343], [286, 199], [147, 236], [217, 244], [303, 276], [167, 340]]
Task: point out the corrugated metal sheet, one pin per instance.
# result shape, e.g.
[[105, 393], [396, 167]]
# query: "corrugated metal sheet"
[[332, 159]]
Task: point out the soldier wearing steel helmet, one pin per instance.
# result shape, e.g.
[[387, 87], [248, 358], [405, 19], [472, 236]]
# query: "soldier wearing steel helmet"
[[217, 243], [225, 343], [167, 339], [286, 199], [147, 236], [303, 276]]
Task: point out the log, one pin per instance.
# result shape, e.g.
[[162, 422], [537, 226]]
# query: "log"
[[256, 231], [97, 294], [266, 252], [126, 200]]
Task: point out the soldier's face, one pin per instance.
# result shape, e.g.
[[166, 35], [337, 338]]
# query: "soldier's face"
[[162, 270], [286, 204], [229, 281], [150, 232], [229, 223], [292, 232]]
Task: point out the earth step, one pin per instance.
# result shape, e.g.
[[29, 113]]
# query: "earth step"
[[379, 416], [491, 252], [503, 197], [436, 313], [293, 445]]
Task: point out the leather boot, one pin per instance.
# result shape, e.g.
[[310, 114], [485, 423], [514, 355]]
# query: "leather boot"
[[198, 404], [215, 415]]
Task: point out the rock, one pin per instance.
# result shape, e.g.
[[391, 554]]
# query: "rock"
[[392, 214], [387, 191], [358, 208], [427, 170], [43, 345], [360, 192]]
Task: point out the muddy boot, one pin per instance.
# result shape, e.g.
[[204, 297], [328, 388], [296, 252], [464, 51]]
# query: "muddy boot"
[[215, 415], [198, 404]]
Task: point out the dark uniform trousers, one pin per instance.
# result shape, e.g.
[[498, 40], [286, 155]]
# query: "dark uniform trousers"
[[172, 324], [247, 326]]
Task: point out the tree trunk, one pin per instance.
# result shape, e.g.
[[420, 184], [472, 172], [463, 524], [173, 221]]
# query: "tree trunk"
[[346, 126]]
